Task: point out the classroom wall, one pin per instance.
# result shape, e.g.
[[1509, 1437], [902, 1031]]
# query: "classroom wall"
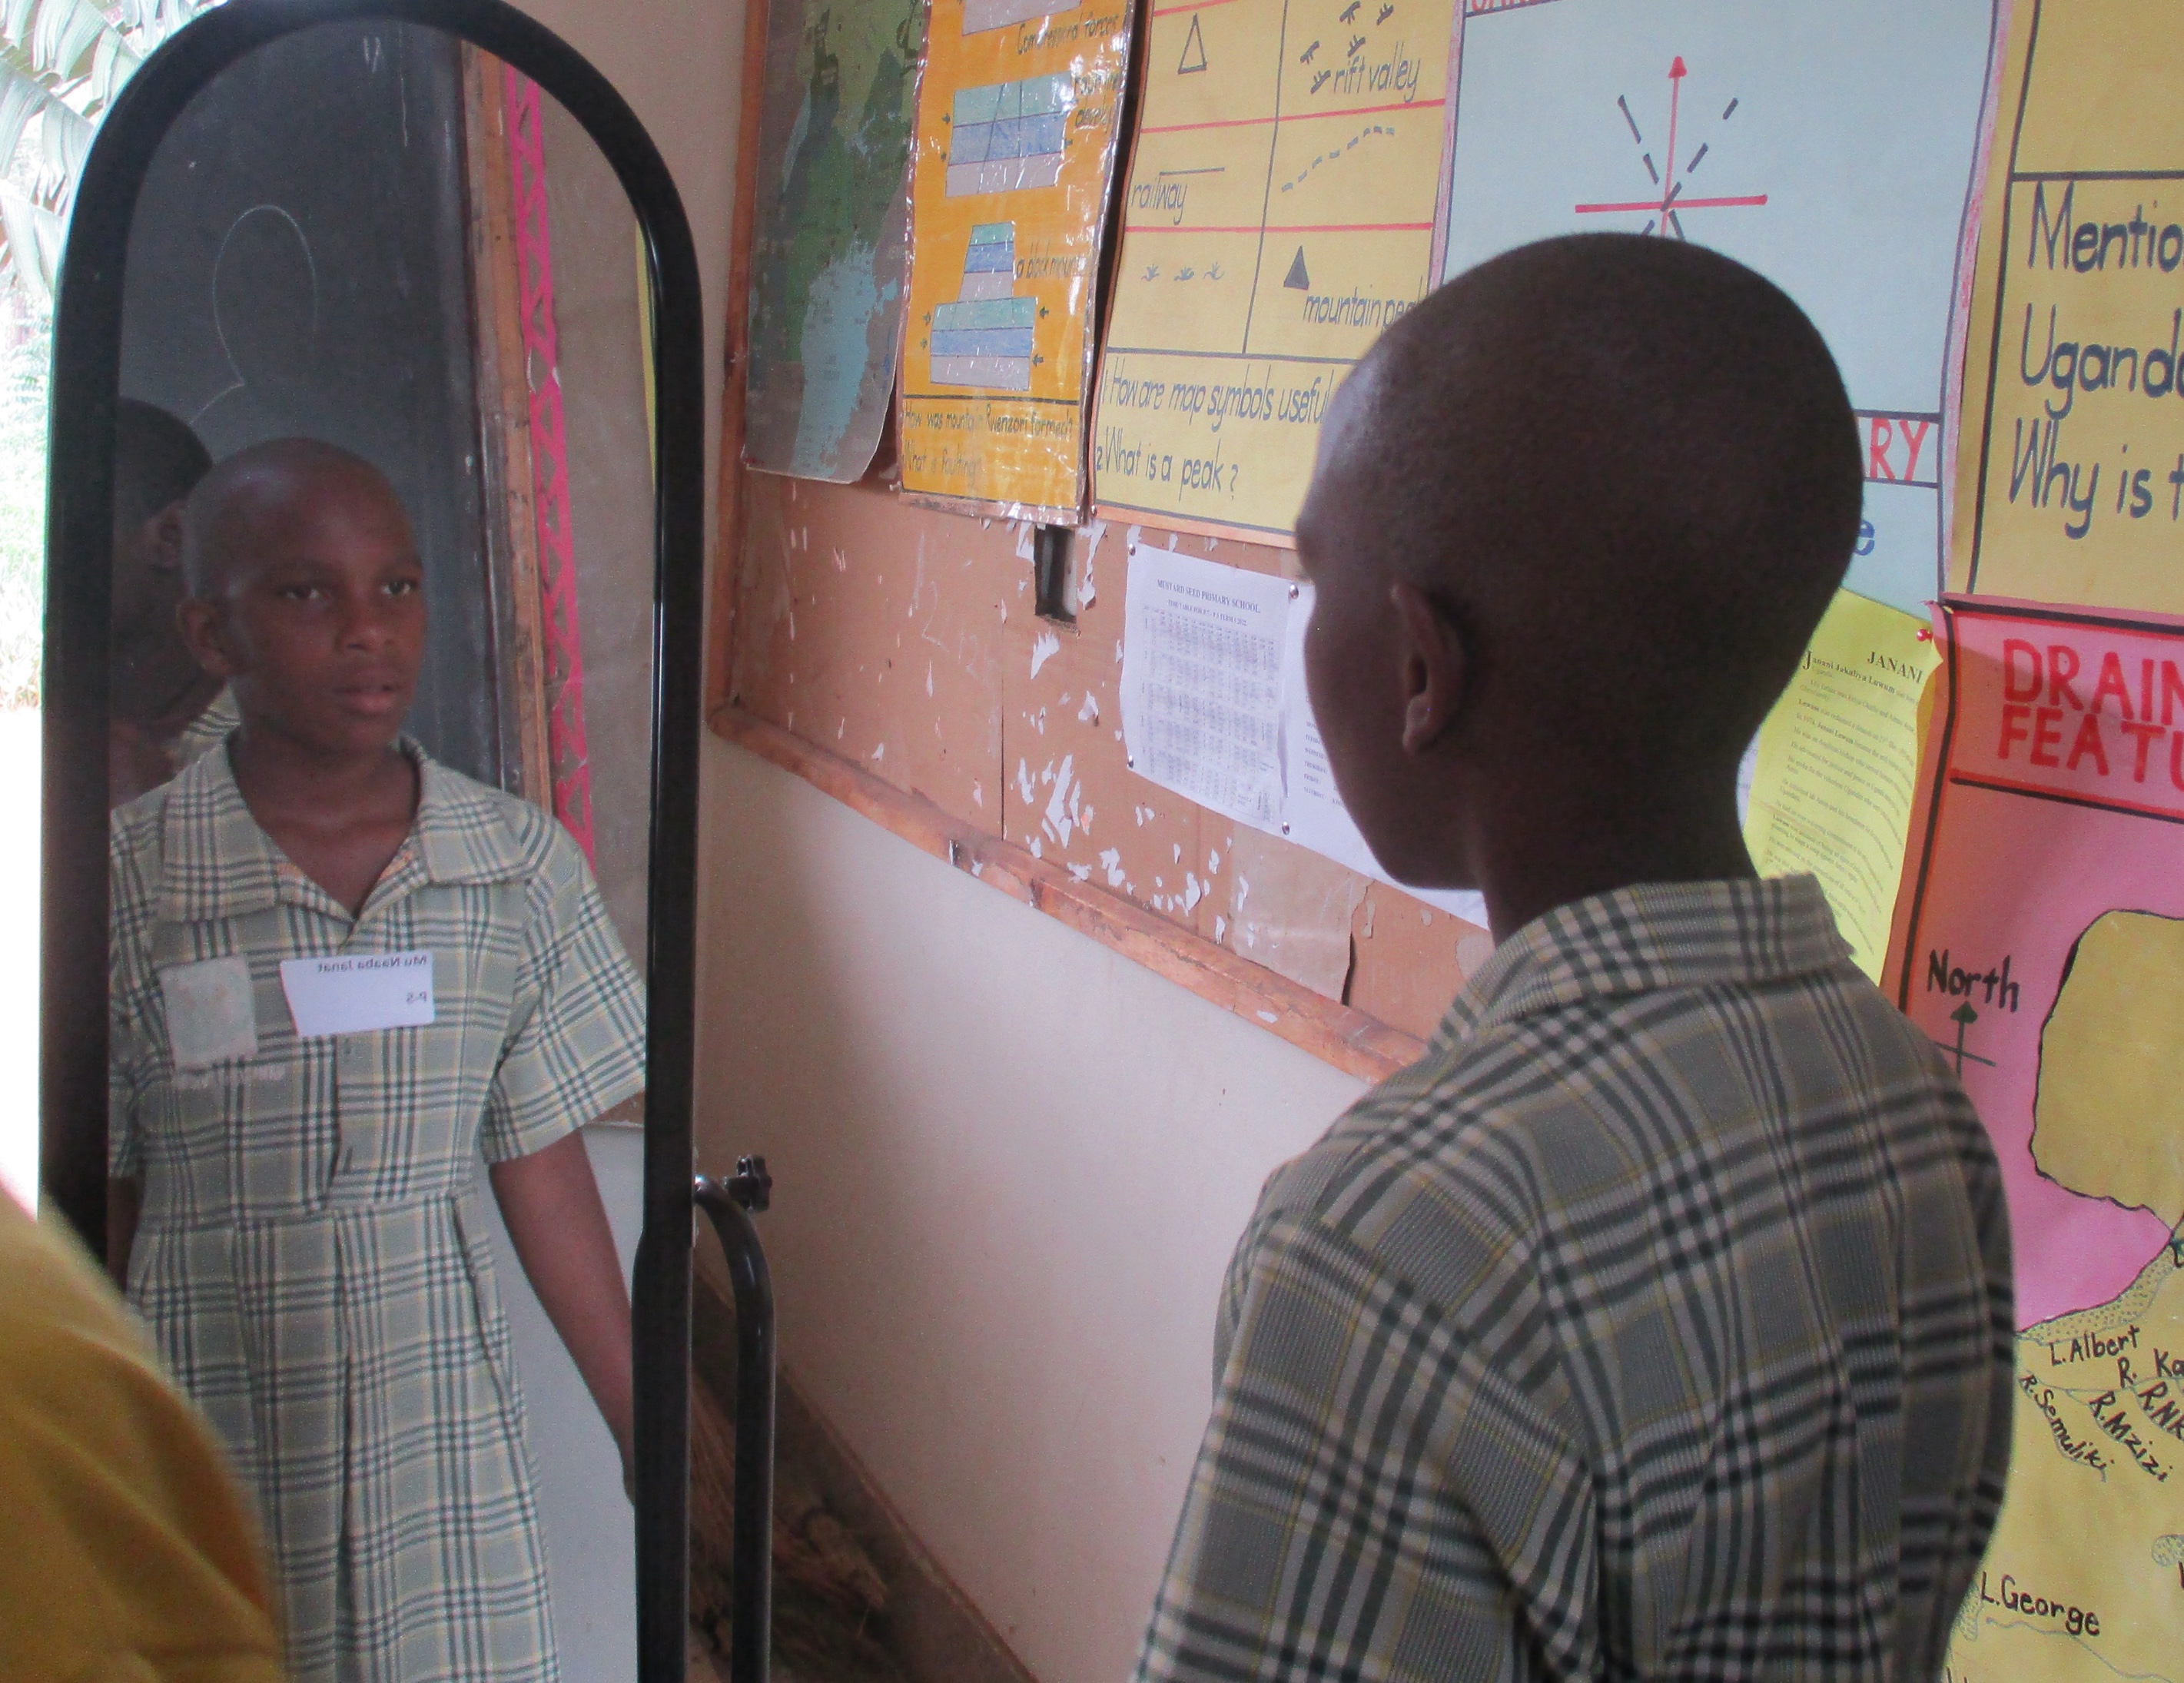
[[1011, 1164]]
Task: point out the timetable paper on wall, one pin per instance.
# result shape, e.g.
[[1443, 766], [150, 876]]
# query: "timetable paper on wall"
[[1202, 682]]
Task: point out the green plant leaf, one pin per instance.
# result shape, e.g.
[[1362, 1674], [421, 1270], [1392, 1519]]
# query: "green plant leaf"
[[32, 248], [20, 100], [62, 63], [62, 35], [66, 141]]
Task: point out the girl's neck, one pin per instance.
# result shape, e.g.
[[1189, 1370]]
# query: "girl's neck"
[[161, 695], [279, 776]]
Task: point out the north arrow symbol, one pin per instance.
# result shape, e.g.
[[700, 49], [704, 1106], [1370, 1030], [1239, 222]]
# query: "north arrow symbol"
[[1963, 1016]]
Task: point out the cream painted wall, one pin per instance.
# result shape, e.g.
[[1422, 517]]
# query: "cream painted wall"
[[1010, 1167], [1012, 1164]]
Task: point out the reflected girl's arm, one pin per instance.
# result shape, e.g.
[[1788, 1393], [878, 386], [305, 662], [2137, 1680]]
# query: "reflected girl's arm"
[[551, 1204], [125, 1199]]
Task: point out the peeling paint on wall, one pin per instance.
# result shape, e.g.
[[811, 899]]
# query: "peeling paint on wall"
[[1061, 817], [865, 577], [1298, 923]]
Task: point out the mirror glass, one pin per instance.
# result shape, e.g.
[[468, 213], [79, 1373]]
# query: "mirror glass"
[[387, 331]]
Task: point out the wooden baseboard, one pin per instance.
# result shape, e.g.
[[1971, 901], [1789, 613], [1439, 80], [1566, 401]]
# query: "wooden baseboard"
[[930, 1627]]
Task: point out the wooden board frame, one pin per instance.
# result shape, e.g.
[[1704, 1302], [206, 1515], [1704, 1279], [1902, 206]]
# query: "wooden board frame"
[[1339, 1034], [504, 416]]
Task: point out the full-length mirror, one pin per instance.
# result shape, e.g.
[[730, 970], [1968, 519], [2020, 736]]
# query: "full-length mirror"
[[390, 569]]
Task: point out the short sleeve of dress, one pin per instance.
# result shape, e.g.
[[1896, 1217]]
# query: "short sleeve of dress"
[[576, 1043]]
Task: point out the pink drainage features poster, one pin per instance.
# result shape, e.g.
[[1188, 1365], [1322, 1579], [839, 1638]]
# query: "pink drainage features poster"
[[2039, 943]]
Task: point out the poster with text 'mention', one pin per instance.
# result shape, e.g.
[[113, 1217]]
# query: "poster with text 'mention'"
[[1018, 110], [2040, 944], [2071, 481]]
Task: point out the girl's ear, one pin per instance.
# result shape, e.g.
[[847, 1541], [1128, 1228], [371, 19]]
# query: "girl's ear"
[[1435, 668], [166, 536], [205, 636]]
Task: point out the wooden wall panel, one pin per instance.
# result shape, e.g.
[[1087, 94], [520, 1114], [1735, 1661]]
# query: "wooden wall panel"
[[1071, 797], [901, 645], [1412, 960], [875, 631]]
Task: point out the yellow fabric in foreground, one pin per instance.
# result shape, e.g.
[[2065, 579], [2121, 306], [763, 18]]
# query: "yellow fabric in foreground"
[[127, 1553]]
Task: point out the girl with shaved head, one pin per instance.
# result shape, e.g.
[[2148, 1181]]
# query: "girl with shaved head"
[[339, 971], [1657, 1323]]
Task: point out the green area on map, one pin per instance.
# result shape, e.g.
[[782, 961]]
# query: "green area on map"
[[827, 252]]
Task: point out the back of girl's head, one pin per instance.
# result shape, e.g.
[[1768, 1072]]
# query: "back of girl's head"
[[1629, 467]]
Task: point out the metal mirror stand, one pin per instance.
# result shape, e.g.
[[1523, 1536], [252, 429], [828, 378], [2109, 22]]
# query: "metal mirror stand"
[[73, 1029], [732, 1204]]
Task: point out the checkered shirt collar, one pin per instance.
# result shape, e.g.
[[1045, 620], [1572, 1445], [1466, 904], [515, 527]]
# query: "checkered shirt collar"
[[220, 863], [1650, 936]]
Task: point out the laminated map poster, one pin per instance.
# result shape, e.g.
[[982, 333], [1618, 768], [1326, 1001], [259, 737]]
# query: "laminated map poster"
[[2076, 491], [1760, 131], [1017, 118], [2040, 944], [1279, 214], [826, 259]]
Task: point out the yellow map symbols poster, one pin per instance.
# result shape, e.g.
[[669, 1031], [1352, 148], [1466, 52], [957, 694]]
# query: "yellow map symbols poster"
[[2040, 946], [1016, 116], [2074, 489], [1279, 214]]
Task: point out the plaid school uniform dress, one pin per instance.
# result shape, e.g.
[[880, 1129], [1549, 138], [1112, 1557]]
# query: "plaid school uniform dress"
[[1656, 1323], [211, 729], [310, 1256]]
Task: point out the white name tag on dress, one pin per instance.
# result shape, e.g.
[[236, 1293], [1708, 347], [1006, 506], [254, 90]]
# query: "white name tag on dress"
[[355, 993], [210, 1017]]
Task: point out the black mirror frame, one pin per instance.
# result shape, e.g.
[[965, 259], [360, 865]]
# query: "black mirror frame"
[[79, 525]]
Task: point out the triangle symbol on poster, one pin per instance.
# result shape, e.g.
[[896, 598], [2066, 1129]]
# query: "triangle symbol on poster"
[[1297, 280], [1194, 51]]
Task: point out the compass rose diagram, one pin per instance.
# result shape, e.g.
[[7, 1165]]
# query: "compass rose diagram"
[[1671, 202]]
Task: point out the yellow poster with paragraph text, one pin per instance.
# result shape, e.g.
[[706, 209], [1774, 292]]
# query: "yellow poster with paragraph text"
[[2071, 476]]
